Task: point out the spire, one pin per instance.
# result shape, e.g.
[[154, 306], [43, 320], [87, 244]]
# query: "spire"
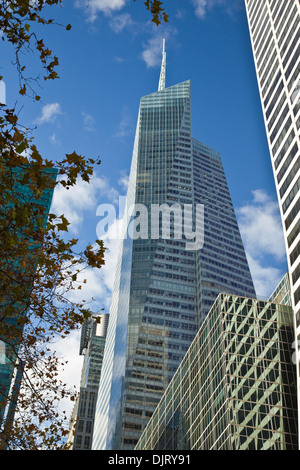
[[162, 78]]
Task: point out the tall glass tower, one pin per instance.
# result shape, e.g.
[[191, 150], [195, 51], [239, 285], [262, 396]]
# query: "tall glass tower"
[[165, 282], [275, 36]]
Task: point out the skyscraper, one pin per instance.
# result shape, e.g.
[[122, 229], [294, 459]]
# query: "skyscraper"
[[22, 267], [167, 278], [92, 342], [275, 36], [235, 388]]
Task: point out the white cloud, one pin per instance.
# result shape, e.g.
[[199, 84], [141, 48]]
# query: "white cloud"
[[152, 53], [93, 7], [67, 349], [53, 139], [120, 22], [120, 59], [97, 284], [200, 7], [112, 245], [81, 198], [262, 234], [261, 227], [97, 290], [123, 180], [265, 278], [203, 6], [49, 113], [126, 123], [89, 122], [74, 204]]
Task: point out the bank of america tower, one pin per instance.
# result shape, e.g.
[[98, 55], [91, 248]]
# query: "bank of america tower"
[[171, 267]]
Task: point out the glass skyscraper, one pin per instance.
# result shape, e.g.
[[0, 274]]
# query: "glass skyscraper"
[[236, 387], [275, 35], [165, 283], [9, 344]]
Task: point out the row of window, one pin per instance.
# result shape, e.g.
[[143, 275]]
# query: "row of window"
[[287, 161], [291, 196], [293, 235], [292, 215]]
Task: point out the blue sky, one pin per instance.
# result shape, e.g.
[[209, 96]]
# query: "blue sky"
[[108, 61]]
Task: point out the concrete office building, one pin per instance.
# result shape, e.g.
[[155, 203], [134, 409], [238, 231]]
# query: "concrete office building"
[[275, 35]]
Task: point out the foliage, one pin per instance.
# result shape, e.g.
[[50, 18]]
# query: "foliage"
[[17, 18], [38, 268], [157, 11], [39, 265]]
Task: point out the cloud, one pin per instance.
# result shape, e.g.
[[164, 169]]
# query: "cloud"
[[49, 113], [95, 284], [93, 7], [81, 198], [67, 349], [126, 123], [262, 234], [203, 6], [112, 245], [53, 139], [261, 226], [152, 53], [89, 122], [98, 286], [120, 59], [265, 278], [119, 22], [97, 290], [124, 180]]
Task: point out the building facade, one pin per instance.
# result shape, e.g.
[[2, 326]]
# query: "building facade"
[[282, 292], [184, 248], [10, 377], [92, 343], [275, 35], [236, 387]]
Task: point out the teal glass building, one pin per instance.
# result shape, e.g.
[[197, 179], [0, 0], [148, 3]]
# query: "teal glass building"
[[236, 387], [39, 208], [165, 285]]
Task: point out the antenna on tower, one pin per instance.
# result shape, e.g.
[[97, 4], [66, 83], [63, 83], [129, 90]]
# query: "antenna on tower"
[[162, 78]]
